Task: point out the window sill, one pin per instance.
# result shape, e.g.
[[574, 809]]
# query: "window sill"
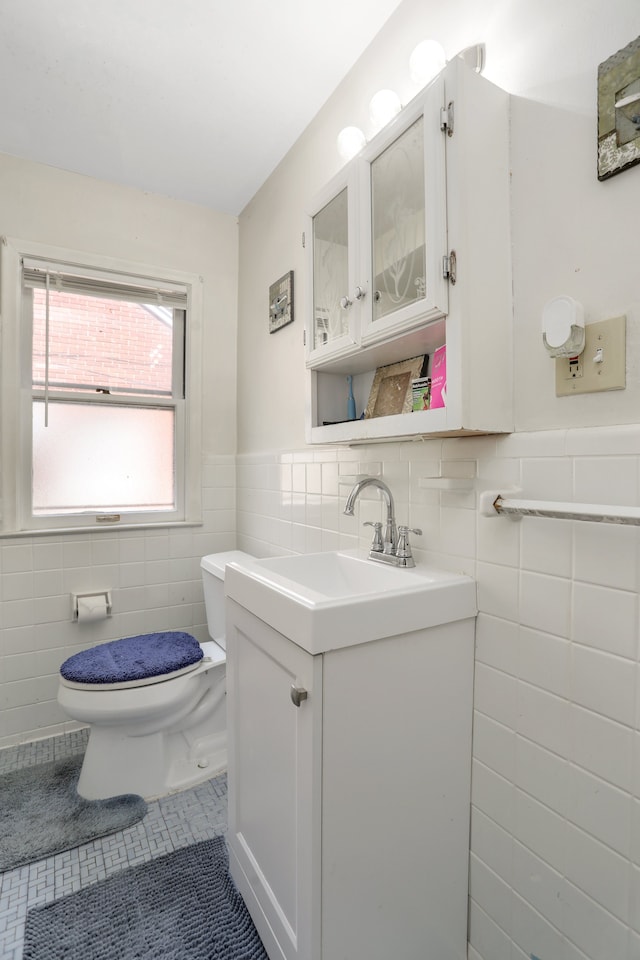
[[110, 528]]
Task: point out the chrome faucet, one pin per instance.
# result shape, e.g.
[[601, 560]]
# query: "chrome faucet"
[[390, 548], [390, 538]]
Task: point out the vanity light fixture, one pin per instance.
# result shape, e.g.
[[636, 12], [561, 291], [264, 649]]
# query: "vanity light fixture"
[[350, 141], [474, 56], [425, 63], [428, 59], [384, 106]]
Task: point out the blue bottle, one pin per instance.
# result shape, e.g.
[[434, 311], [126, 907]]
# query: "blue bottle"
[[351, 402]]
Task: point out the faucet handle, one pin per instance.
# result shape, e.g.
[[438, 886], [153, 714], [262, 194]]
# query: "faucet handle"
[[377, 545], [403, 551]]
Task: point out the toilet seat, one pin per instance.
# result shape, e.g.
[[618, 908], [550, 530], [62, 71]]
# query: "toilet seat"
[[130, 684], [134, 662]]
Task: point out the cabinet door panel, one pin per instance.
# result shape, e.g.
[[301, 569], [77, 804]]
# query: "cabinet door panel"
[[397, 217], [333, 306], [330, 270], [408, 229], [271, 776]]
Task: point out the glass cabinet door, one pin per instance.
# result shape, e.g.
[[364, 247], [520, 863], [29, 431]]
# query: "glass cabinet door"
[[407, 209], [331, 265], [378, 238], [398, 223]]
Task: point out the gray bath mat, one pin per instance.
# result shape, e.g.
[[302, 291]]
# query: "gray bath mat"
[[42, 814], [183, 906]]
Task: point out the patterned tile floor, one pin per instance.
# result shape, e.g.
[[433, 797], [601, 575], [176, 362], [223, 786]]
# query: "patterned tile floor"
[[172, 822]]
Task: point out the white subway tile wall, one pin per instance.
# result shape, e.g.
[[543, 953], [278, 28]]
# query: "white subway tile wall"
[[555, 825]]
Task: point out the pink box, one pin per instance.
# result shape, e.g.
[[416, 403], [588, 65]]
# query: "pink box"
[[439, 377]]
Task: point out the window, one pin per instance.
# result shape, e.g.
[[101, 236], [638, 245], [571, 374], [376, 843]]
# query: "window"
[[108, 433]]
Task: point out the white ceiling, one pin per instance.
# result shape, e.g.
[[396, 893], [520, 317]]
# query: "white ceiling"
[[194, 99]]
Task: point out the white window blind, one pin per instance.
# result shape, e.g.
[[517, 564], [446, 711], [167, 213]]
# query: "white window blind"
[[77, 279]]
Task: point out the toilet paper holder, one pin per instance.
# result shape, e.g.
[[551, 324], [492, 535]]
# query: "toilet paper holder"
[[87, 607]]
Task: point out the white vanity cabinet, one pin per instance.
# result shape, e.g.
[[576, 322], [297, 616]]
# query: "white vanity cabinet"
[[409, 252], [349, 813]]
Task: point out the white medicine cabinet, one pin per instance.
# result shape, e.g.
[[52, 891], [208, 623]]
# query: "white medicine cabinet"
[[377, 235], [409, 252]]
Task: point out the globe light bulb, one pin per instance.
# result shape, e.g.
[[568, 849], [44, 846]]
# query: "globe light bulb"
[[426, 62], [350, 141], [384, 106]]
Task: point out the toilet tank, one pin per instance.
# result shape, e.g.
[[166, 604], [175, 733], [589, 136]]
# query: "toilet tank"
[[212, 567]]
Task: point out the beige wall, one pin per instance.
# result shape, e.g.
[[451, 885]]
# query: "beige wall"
[[50, 206]]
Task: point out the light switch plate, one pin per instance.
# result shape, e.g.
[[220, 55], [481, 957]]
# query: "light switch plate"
[[588, 374]]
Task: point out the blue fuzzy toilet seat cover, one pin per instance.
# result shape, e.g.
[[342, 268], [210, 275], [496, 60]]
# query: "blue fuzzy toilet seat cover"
[[134, 659]]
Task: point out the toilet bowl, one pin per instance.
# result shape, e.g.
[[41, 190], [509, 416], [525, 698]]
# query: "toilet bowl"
[[155, 704]]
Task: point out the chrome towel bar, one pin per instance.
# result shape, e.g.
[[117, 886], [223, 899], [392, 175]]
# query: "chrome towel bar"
[[495, 504]]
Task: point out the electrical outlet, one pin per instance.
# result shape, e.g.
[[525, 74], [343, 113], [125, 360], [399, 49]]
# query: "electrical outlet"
[[601, 365], [574, 367]]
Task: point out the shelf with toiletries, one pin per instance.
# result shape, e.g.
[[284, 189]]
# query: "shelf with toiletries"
[[384, 287]]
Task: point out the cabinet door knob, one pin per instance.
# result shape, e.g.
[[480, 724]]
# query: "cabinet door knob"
[[345, 303], [298, 694], [360, 293]]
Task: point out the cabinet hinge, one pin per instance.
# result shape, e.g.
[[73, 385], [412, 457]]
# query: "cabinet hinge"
[[446, 119], [450, 267], [304, 240], [304, 338]]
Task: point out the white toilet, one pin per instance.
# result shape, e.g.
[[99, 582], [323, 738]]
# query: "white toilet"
[[158, 732]]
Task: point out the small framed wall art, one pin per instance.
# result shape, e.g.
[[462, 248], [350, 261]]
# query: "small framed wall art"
[[619, 111], [281, 302]]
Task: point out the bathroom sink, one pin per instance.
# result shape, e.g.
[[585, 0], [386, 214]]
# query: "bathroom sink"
[[323, 601]]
